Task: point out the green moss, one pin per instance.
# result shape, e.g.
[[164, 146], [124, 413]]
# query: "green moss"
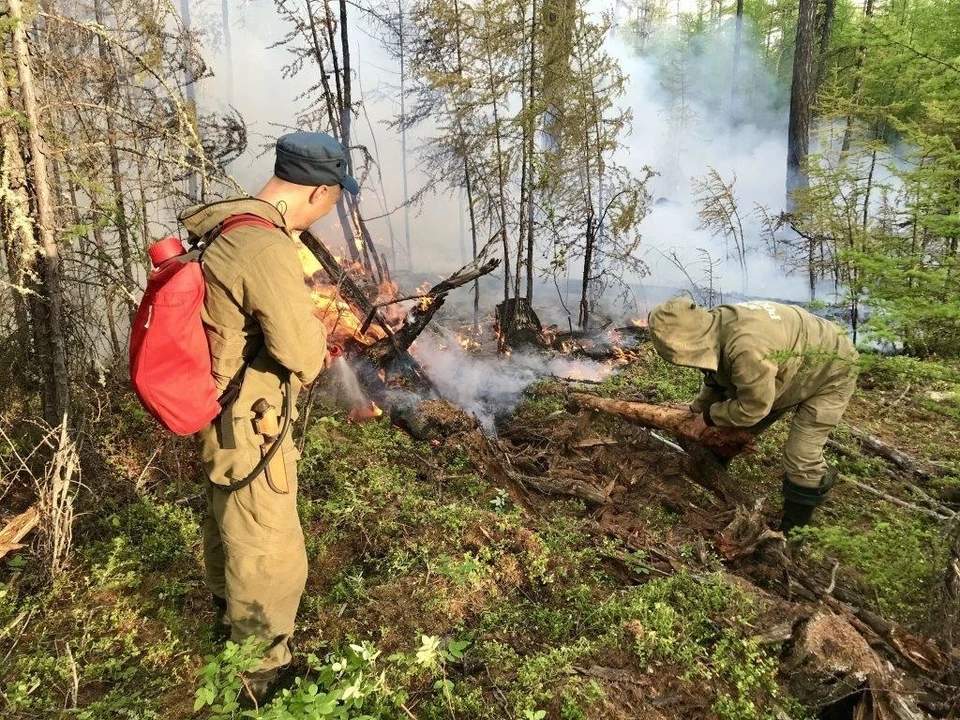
[[897, 558]]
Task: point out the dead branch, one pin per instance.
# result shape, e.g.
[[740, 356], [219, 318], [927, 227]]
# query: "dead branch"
[[941, 515], [342, 280], [897, 457], [383, 352], [570, 487]]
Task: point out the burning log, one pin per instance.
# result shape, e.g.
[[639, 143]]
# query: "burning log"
[[606, 345], [433, 419], [725, 442], [384, 352]]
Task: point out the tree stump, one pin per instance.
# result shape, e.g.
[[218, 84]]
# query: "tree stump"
[[830, 662], [518, 324], [433, 419]]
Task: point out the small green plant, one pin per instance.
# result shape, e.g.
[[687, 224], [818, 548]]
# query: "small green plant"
[[349, 683], [897, 558], [500, 500], [221, 679]]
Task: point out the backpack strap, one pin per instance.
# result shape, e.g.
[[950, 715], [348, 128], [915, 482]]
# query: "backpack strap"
[[204, 241]]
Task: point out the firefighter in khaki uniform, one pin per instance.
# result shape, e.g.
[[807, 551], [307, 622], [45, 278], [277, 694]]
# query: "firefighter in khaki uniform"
[[760, 360], [262, 332]]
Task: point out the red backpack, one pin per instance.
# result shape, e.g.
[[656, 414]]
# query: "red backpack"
[[170, 367]]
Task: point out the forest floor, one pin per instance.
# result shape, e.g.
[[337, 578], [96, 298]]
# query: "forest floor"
[[575, 566]]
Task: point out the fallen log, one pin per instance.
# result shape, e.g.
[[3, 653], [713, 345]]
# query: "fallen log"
[[725, 442], [897, 457], [15, 530]]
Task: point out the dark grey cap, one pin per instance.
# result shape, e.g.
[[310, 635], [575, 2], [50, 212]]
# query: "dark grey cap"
[[312, 158]]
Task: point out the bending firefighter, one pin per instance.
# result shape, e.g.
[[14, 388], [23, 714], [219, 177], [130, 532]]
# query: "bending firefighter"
[[265, 343], [761, 360]]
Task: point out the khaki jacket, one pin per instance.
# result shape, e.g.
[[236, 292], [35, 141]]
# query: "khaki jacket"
[[758, 357], [257, 307]]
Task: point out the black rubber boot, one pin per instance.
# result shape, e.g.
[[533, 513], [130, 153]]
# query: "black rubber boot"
[[258, 689], [221, 628], [799, 502]]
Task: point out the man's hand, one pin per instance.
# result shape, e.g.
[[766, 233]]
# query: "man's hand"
[[698, 425]]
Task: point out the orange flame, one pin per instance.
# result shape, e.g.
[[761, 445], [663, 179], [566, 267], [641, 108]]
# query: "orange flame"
[[363, 412]]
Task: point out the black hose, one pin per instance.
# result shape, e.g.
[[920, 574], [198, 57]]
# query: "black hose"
[[265, 460]]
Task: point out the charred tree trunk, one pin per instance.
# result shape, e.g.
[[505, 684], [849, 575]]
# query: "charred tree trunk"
[[591, 239], [518, 324], [798, 133], [47, 303]]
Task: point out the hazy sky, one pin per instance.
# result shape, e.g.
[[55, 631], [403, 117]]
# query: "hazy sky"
[[755, 150]]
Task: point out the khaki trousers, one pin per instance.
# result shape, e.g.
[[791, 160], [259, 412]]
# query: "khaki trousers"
[[815, 419], [254, 557]]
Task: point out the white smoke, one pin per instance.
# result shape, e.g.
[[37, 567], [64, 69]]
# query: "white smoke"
[[489, 387], [747, 140], [688, 121]]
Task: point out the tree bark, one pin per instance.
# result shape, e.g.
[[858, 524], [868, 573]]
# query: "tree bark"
[[826, 33], [798, 132], [532, 129], [47, 304], [193, 190], [15, 222], [727, 442]]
